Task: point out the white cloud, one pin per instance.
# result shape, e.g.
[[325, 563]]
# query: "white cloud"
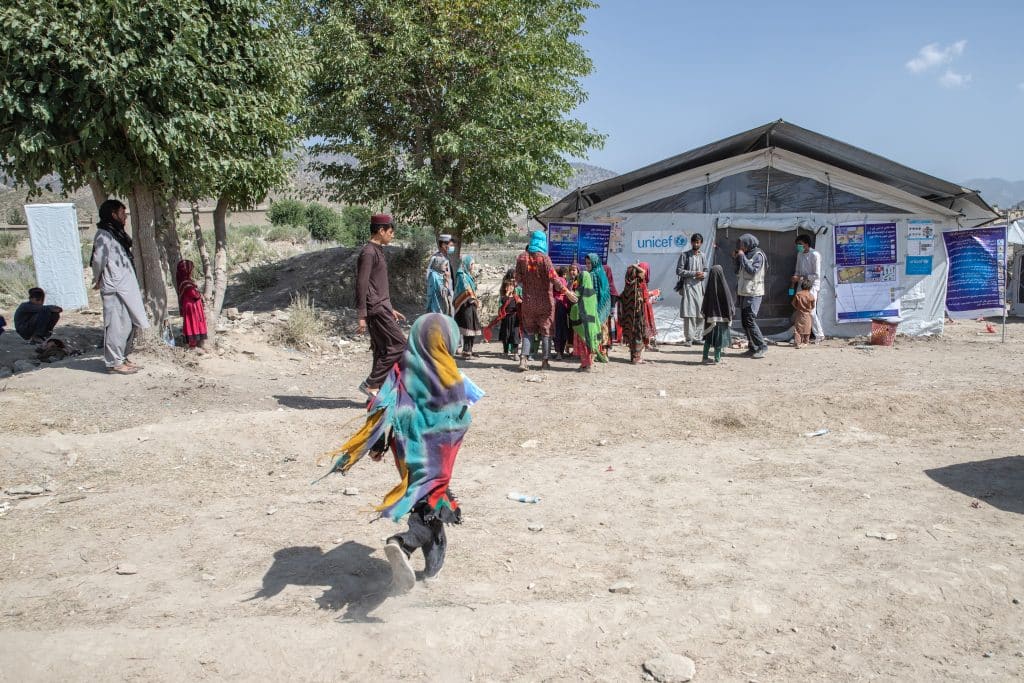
[[952, 79], [933, 55]]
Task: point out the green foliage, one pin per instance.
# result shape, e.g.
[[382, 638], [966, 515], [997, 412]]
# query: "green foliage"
[[356, 219], [250, 250], [287, 212], [9, 241], [457, 111], [16, 277], [15, 215], [296, 234], [324, 223]]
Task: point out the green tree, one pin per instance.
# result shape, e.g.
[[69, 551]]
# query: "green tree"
[[324, 223], [151, 101], [287, 212], [455, 110]]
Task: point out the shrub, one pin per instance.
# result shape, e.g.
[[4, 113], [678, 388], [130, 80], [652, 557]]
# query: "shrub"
[[296, 234], [257, 278], [356, 222], [16, 277], [15, 215], [238, 232], [287, 212], [304, 323], [324, 223], [9, 241], [249, 250]]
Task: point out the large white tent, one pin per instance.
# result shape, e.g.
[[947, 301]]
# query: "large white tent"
[[776, 181]]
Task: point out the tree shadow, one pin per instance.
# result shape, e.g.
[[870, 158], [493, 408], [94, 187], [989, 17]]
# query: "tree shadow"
[[318, 402], [355, 579], [997, 481]]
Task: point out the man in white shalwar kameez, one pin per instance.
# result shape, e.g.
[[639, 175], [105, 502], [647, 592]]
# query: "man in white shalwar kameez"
[[692, 270]]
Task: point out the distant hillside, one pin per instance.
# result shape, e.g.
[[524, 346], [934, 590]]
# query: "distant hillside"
[[998, 192], [586, 174]]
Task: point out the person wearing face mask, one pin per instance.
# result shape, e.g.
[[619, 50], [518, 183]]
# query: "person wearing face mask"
[[808, 269]]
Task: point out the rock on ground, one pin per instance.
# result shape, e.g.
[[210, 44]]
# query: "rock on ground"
[[671, 668]]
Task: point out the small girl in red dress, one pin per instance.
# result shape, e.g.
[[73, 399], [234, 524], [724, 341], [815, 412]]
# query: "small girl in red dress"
[[190, 304]]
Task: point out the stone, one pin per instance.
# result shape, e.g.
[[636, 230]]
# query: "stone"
[[1016, 601], [232, 313], [127, 569], [531, 443], [671, 668], [621, 587], [602, 442], [271, 511], [23, 365], [5, 372], [662, 393], [351, 491], [536, 526], [881, 536], [26, 490]]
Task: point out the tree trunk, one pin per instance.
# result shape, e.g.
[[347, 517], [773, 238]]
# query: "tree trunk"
[[145, 207], [204, 258], [220, 257], [167, 235], [99, 193]]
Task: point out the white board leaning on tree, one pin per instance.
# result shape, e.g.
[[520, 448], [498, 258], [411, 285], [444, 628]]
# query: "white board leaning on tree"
[[57, 254]]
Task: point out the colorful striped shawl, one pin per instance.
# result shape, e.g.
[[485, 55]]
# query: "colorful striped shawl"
[[465, 285], [424, 405]]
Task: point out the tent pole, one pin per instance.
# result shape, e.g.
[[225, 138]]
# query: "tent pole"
[[1006, 252]]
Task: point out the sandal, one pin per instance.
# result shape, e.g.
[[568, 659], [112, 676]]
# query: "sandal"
[[123, 369]]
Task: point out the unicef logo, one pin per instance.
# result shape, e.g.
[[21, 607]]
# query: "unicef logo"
[[680, 241]]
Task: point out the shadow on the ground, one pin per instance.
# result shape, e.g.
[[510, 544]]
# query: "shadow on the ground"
[[998, 481], [318, 402], [355, 580]]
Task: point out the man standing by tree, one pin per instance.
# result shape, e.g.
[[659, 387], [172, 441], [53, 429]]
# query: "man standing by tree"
[[439, 278], [536, 275], [691, 270], [113, 272], [373, 304]]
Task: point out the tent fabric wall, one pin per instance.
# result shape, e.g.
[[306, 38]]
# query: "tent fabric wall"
[[57, 253], [922, 298]]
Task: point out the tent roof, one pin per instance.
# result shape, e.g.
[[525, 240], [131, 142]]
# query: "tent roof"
[[783, 135]]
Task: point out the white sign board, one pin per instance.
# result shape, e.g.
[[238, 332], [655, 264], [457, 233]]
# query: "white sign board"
[[57, 253], [659, 241]]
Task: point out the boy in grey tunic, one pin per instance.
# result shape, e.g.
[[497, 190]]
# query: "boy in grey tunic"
[[114, 275]]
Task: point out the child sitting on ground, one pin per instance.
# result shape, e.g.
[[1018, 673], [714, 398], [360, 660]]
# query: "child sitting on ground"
[[803, 307]]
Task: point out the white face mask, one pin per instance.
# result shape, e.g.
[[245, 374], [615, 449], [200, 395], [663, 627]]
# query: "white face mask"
[[451, 249]]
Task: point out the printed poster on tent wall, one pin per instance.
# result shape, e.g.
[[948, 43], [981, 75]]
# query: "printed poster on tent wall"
[[570, 243], [867, 277], [975, 283]]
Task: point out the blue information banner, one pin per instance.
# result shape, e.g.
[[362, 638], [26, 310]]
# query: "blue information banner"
[[570, 243], [975, 281], [919, 265], [849, 245], [879, 243]]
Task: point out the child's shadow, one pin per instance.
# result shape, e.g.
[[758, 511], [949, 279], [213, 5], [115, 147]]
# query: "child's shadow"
[[355, 579]]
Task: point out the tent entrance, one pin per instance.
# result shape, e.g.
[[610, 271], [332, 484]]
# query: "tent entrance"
[[780, 249]]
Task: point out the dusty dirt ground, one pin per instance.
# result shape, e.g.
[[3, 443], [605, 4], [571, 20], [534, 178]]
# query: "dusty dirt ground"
[[749, 547]]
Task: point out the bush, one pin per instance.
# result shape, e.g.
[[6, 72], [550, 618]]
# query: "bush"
[[257, 278], [304, 323], [287, 212], [9, 241], [15, 215], [296, 234], [356, 221], [324, 223], [249, 250], [16, 277]]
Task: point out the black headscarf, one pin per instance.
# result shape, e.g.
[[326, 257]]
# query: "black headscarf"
[[114, 226], [717, 306]]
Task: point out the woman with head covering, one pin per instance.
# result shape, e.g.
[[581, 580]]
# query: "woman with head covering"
[[421, 414], [584, 320], [718, 312], [604, 304], [508, 315], [466, 306], [190, 305], [614, 333], [751, 267], [536, 276], [634, 301], [652, 328], [439, 293]]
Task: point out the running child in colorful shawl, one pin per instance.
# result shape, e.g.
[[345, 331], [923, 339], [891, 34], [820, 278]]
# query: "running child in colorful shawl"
[[190, 305], [421, 414], [466, 304], [584, 321]]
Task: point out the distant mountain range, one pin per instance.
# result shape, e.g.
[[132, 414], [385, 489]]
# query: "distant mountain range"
[[585, 174], [1006, 194]]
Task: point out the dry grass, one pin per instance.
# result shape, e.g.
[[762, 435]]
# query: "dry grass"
[[304, 324], [9, 241]]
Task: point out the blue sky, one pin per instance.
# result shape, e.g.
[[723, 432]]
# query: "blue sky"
[[938, 85]]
